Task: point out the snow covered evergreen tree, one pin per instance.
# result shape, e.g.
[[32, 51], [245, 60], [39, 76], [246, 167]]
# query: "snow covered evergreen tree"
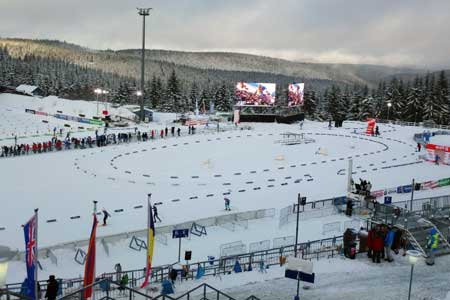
[[309, 103], [222, 99]]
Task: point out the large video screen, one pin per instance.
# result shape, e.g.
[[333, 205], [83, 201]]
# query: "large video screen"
[[258, 94], [295, 94]]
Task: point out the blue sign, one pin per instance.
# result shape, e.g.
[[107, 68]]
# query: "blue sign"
[[180, 233], [299, 276], [387, 199]]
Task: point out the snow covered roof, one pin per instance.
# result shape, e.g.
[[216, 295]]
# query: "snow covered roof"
[[27, 89]]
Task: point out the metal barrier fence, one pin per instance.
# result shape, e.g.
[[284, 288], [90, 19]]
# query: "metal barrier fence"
[[314, 209], [239, 219], [317, 249], [423, 204]]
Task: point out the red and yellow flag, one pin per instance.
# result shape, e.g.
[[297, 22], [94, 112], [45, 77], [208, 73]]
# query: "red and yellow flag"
[[89, 266]]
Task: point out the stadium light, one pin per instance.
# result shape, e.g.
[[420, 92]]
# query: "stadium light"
[[389, 104], [138, 93], [97, 92], [413, 258], [105, 92], [144, 12]]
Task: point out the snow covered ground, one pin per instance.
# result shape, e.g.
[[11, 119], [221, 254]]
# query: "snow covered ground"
[[338, 279], [189, 176]]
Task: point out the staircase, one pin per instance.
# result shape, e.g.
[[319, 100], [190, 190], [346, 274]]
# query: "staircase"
[[417, 237]]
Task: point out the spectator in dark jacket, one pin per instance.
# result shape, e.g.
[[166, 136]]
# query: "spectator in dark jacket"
[[52, 288]]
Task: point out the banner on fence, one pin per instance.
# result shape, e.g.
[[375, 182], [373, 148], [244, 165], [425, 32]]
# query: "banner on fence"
[[438, 151], [40, 113], [443, 182], [404, 189]]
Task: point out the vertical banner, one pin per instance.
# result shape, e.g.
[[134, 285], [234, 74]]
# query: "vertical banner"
[[237, 114], [370, 126], [89, 267], [150, 243]]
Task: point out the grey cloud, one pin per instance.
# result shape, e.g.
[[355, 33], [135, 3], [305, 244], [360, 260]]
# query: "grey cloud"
[[413, 32]]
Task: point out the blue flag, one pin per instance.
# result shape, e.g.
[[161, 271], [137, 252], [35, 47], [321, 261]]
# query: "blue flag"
[[30, 232]]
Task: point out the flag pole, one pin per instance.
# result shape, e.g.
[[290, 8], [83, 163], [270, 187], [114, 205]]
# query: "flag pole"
[[149, 196], [36, 295], [95, 213]]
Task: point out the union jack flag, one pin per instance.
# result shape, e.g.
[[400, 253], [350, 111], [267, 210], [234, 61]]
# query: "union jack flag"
[[30, 233]]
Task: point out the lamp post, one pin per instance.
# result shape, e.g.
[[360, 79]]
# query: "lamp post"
[[389, 109], [413, 257], [139, 95], [144, 12], [97, 92], [105, 92]]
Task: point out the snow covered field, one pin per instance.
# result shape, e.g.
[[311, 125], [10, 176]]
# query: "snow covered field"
[[340, 279], [189, 176]]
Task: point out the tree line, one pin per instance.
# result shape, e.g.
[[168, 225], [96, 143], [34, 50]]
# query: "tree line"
[[424, 98]]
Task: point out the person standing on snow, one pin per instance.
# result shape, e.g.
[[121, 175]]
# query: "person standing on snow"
[[388, 241], [118, 269], [436, 160], [419, 147], [105, 216], [377, 131], [227, 203], [432, 244], [155, 213], [52, 288], [377, 245]]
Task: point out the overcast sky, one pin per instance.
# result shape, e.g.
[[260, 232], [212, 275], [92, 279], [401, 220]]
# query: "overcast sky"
[[392, 32]]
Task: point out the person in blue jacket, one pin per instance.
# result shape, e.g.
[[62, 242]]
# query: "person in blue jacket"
[[432, 244], [388, 244]]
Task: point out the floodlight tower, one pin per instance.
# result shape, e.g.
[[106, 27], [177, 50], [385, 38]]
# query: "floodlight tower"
[[144, 12]]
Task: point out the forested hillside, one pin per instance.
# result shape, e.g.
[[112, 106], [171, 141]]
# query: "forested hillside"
[[175, 80]]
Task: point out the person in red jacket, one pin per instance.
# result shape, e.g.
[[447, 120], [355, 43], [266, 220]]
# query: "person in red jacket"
[[49, 145], [162, 133], [34, 147], [153, 134], [44, 147], [377, 245], [39, 147], [58, 145], [27, 148]]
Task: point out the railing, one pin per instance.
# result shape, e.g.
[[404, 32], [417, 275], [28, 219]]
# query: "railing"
[[424, 204], [6, 294], [317, 249], [109, 140], [108, 289]]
